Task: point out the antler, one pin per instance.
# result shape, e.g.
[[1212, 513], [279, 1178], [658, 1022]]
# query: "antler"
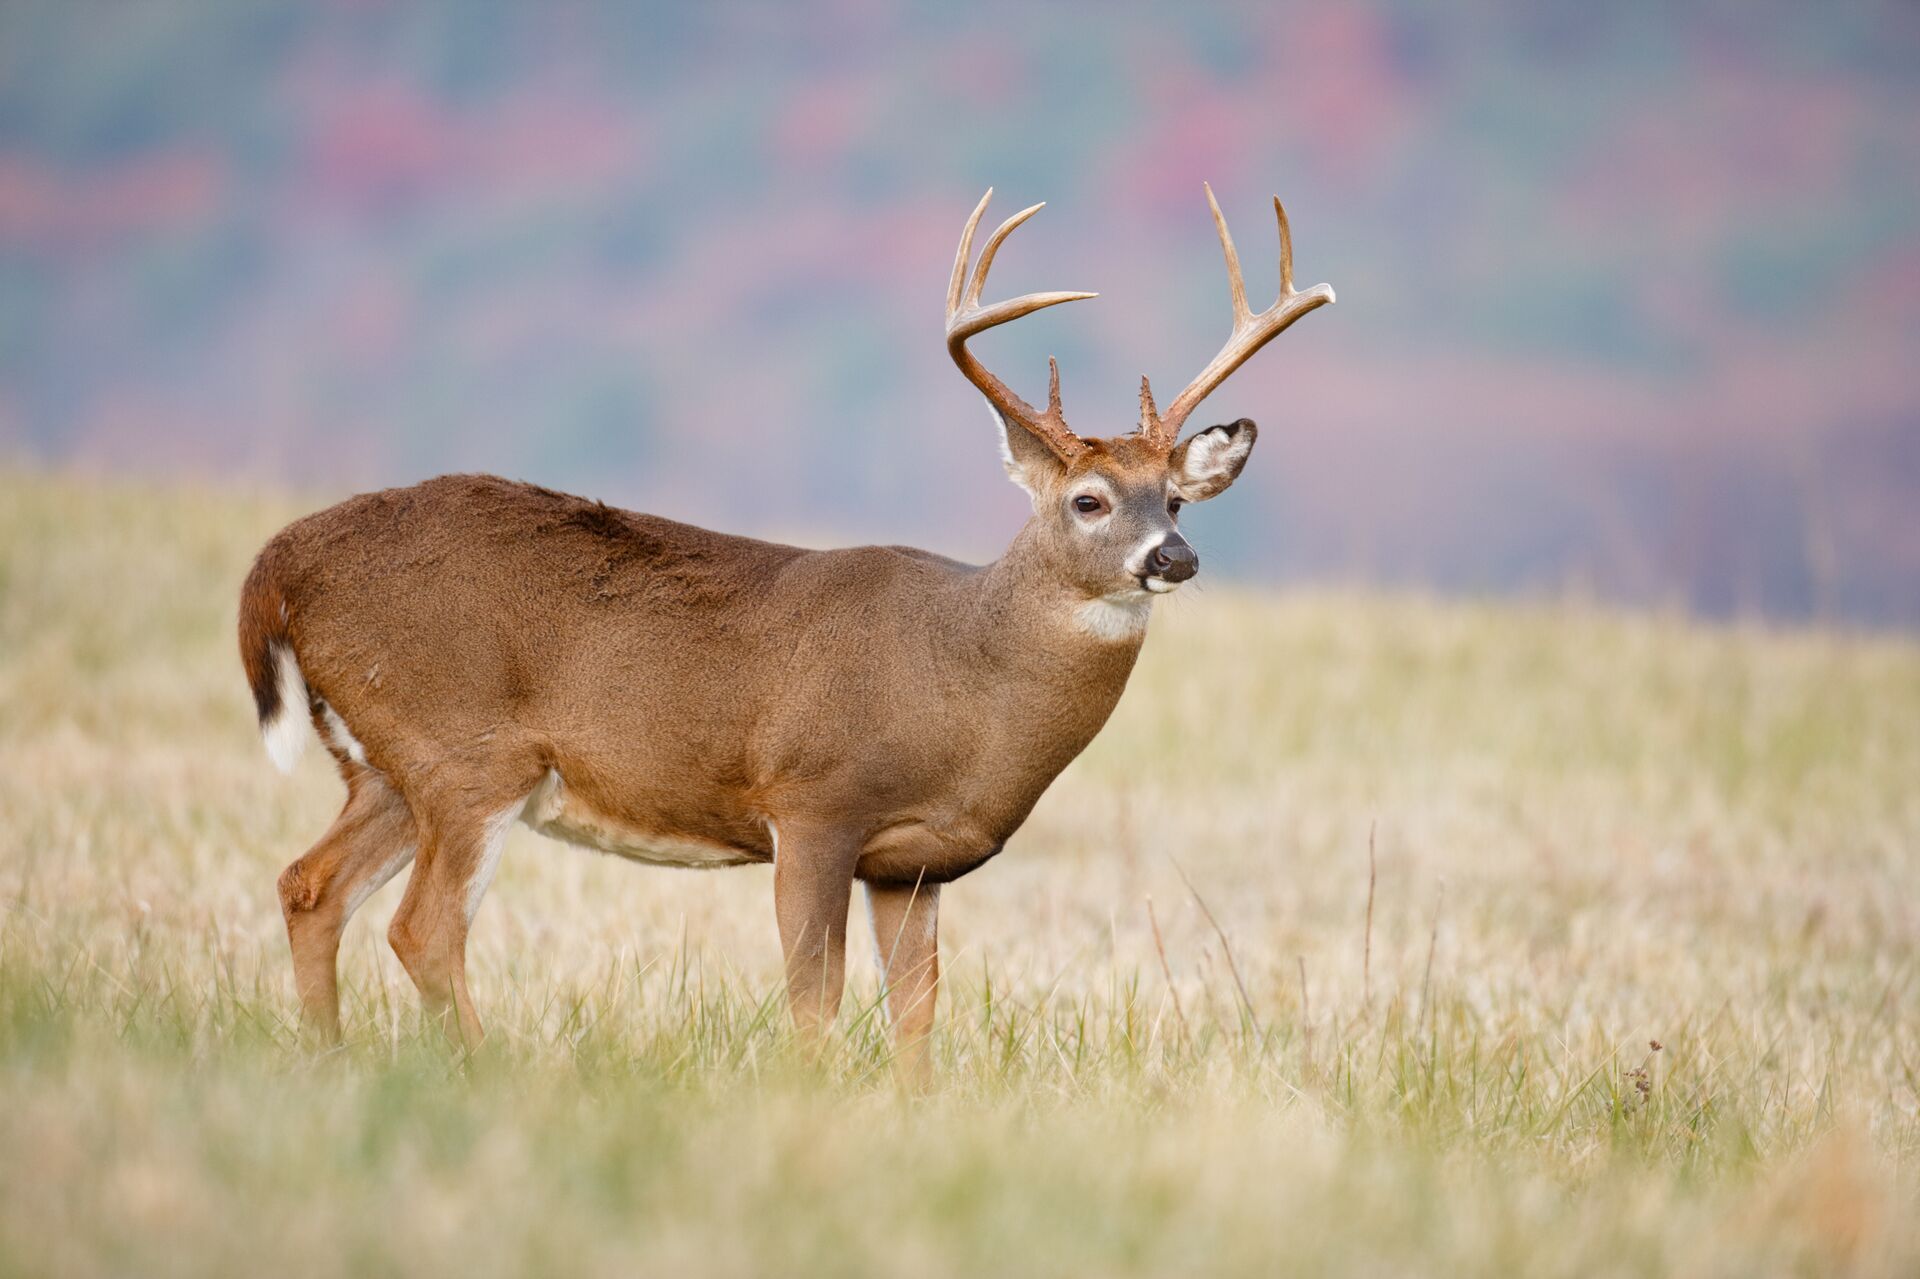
[[1250, 331], [966, 317]]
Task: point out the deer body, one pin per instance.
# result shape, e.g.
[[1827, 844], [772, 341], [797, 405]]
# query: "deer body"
[[476, 652], [576, 650]]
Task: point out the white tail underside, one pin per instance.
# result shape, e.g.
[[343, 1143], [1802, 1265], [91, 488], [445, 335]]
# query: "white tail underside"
[[285, 731]]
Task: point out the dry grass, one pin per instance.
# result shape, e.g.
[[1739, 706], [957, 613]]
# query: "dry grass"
[[1646, 830]]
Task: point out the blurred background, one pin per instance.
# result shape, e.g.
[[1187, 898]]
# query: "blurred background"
[[1629, 295]]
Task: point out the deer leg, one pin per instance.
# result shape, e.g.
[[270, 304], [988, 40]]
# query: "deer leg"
[[365, 847], [812, 882], [906, 928], [458, 855]]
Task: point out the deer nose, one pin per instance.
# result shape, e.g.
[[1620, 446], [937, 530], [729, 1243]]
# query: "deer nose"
[[1174, 560]]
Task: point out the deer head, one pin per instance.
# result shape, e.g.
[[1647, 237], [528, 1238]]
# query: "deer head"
[[1107, 509]]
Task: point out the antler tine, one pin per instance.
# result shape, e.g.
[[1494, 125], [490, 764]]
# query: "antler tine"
[[1286, 249], [959, 279], [993, 246], [1250, 331], [1235, 280], [981, 318], [966, 317]]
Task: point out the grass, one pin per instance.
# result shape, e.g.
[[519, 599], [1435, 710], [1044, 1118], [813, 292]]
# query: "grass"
[[1170, 1042]]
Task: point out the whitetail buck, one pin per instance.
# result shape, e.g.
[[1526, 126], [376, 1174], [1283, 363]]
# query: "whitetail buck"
[[476, 652]]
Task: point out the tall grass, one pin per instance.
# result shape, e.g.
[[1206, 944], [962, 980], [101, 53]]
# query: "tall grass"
[[1180, 1033]]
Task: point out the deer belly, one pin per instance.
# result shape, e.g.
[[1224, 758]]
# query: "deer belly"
[[556, 811]]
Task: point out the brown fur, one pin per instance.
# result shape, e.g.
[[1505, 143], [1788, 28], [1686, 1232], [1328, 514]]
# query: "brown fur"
[[476, 650], [889, 710]]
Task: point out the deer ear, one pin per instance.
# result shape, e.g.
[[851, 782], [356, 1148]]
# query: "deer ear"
[[1029, 462], [1208, 462]]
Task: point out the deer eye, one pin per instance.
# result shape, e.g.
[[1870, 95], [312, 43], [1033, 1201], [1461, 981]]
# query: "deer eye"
[[1173, 505], [1088, 504]]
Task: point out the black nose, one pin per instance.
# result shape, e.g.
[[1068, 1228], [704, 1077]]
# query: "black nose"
[[1174, 560]]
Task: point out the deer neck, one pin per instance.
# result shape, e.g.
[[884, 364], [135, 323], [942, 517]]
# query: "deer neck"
[[1071, 653]]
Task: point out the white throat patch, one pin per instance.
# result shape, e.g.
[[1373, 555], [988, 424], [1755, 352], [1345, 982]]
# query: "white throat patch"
[[1114, 618]]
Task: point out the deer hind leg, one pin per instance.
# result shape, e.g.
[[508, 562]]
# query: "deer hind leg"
[[459, 852], [371, 840]]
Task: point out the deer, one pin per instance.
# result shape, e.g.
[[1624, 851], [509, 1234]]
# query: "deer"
[[475, 652]]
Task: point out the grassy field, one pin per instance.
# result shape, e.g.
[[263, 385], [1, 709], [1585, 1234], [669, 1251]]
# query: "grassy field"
[[1592, 834]]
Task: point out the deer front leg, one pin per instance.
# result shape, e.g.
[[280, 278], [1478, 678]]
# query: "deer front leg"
[[906, 928], [812, 881]]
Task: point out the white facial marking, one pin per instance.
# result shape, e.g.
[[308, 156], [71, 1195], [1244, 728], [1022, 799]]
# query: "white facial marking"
[[1161, 586], [1093, 486], [285, 731], [493, 843], [1136, 563]]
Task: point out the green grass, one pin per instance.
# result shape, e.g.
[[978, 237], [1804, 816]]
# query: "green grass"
[[1591, 831]]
